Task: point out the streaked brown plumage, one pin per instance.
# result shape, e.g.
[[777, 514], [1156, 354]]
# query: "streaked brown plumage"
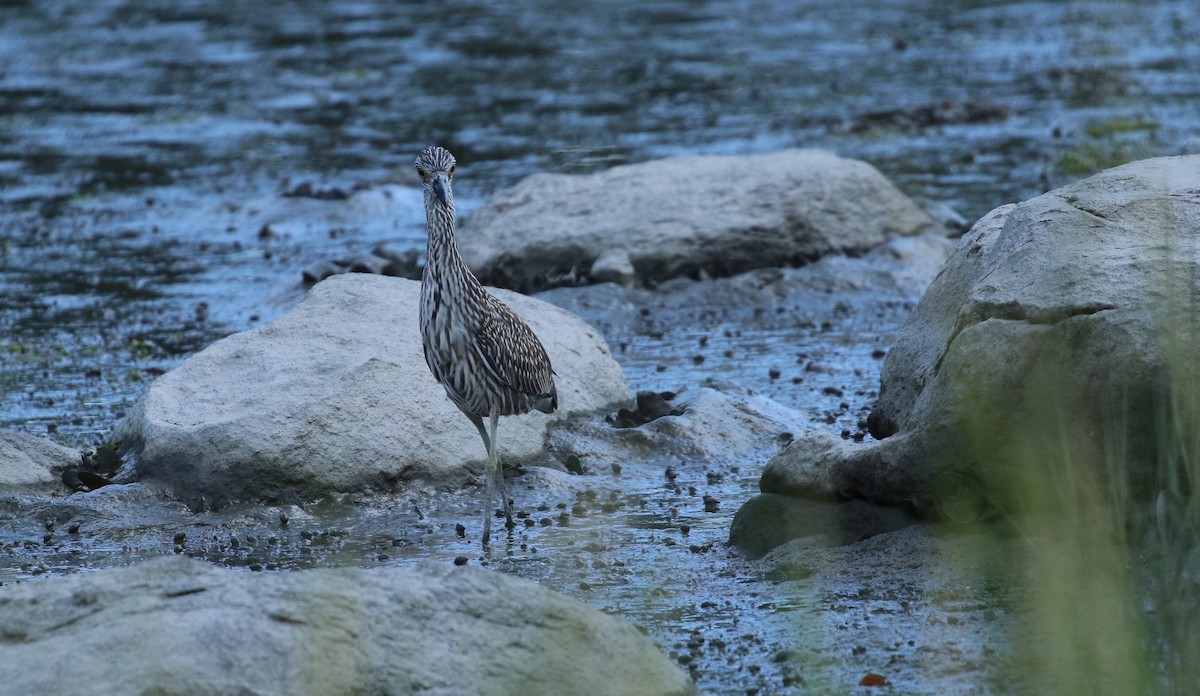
[[488, 360]]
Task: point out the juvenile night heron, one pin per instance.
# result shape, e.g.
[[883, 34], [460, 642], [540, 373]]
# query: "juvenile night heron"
[[489, 361]]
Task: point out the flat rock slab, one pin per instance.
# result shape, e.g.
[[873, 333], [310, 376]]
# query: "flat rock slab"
[[335, 396], [180, 626], [686, 216]]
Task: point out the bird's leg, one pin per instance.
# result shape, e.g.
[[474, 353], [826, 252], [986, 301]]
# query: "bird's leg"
[[488, 476], [499, 470]]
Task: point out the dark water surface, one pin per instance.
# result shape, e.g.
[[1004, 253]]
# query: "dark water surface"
[[145, 146], [135, 136]]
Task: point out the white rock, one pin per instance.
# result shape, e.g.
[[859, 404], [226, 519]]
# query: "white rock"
[[687, 216], [30, 463], [335, 396], [180, 626], [1059, 324], [613, 266]]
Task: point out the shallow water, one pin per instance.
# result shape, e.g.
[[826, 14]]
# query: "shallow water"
[[145, 147], [139, 139]]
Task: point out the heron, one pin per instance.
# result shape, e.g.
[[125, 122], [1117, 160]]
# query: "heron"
[[489, 361]]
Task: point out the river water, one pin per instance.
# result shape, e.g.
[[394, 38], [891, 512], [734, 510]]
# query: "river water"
[[139, 141], [132, 133]]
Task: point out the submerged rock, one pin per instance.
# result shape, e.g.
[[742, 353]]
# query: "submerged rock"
[[769, 520], [1062, 331], [688, 216], [176, 625], [335, 396]]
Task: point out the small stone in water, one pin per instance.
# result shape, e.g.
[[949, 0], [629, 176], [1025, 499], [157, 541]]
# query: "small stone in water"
[[460, 530]]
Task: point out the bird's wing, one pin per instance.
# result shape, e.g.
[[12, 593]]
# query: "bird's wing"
[[513, 354]]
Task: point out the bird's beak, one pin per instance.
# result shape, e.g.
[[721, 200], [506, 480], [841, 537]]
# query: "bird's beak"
[[438, 184]]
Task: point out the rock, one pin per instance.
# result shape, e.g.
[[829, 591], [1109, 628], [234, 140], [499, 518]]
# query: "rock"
[[367, 263], [335, 396], [405, 262], [688, 216], [705, 423], [33, 464], [769, 520], [176, 625], [320, 271], [1064, 324], [613, 266], [948, 217]]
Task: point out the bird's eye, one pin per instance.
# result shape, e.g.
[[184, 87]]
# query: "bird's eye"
[[422, 173], [452, 168]]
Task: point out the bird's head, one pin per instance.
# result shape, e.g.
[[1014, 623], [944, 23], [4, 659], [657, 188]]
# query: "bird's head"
[[435, 166]]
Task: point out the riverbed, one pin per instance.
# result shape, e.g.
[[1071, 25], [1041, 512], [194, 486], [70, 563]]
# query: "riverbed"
[[143, 144]]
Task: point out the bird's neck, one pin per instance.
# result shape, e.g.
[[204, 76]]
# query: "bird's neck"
[[442, 257]]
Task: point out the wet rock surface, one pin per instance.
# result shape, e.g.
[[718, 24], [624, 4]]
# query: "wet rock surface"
[[198, 628], [335, 397], [770, 520], [687, 216]]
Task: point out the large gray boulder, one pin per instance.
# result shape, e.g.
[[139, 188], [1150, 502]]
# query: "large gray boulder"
[[687, 216], [179, 626], [1057, 335], [335, 396], [32, 464]]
